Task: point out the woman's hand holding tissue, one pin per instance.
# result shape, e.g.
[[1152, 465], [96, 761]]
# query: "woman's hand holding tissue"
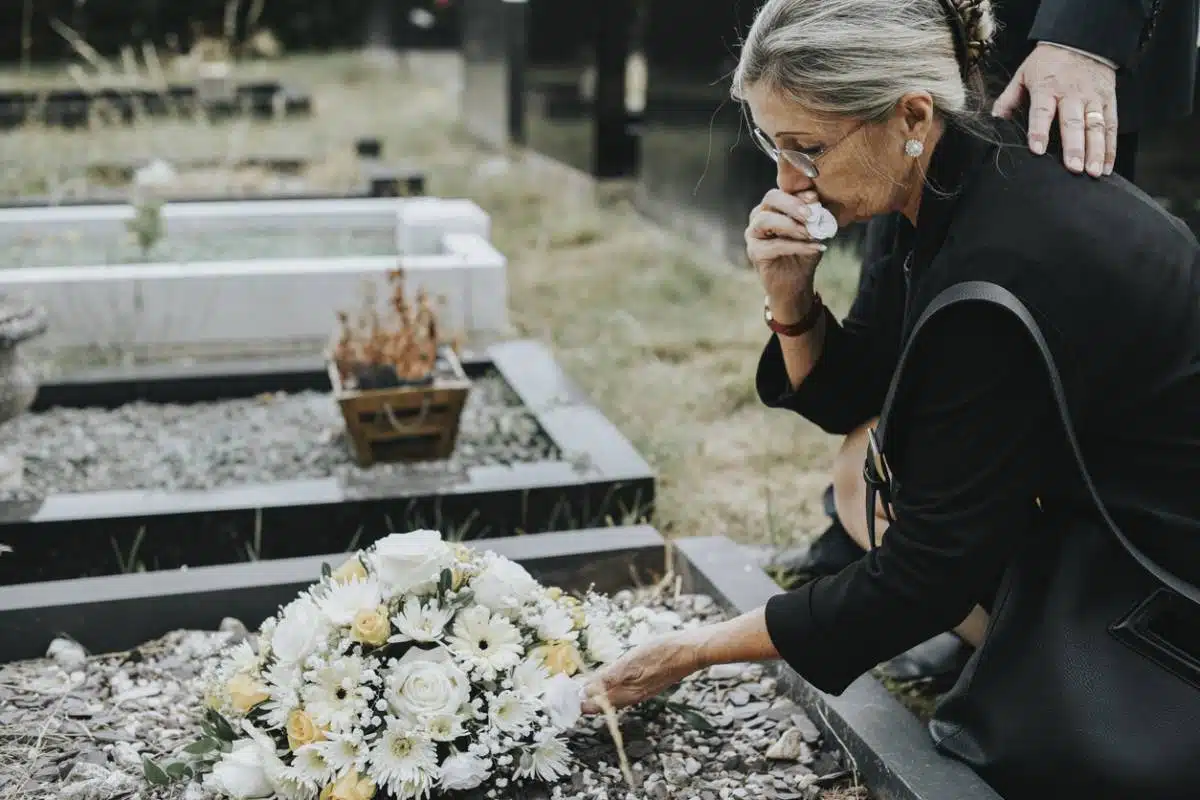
[[783, 242]]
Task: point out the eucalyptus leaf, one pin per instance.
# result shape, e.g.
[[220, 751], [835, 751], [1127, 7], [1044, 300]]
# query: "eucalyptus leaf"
[[178, 770], [202, 746], [223, 730], [155, 775]]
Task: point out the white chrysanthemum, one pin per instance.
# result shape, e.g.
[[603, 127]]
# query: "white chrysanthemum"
[[335, 697], [343, 601], [290, 786], [242, 658], [445, 727], [310, 766], [511, 712], [603, 646], [484, 640], [420, 622], [463, 771], [503, 585], [555, 623], [283, 684], [342, 752], [563, 701], [641, 633], [547, 761], [529, 678], [403, 761], [301, 630]]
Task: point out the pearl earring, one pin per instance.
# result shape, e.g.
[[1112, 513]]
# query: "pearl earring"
[[913, 148]]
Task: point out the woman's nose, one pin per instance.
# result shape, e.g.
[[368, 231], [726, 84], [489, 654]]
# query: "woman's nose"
[[790, 179]]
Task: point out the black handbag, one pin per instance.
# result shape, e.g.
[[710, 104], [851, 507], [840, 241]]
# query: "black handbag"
[[1088, 680]]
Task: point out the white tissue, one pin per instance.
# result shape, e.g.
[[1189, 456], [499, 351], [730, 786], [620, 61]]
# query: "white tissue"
[[820, 223]]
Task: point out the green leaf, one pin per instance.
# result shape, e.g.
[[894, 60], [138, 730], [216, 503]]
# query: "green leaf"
[[201, 747], [155, 774], [445, 581], [178, 771], [223, 730], [465, 598], [326, 570]]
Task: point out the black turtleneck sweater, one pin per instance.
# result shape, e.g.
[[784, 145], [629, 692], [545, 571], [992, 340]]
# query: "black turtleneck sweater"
[[974, 437]]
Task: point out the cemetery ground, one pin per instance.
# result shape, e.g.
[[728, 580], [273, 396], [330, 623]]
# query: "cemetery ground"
[[662, 334]]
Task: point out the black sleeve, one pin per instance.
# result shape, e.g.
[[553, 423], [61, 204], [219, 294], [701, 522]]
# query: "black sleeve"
[[1108, 28], [847, 384], [971, 426]]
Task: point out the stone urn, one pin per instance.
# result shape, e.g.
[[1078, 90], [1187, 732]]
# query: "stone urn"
[[19, 322]]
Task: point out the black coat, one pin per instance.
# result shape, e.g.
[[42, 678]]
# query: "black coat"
[[1114, 282], [1155, 84]]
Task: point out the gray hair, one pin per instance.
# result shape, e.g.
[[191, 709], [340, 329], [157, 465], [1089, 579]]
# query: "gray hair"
[[857, 58]]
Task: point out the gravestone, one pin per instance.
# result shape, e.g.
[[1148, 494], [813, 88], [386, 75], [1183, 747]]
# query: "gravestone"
[[19, 323], [553, 76], [699, 172]]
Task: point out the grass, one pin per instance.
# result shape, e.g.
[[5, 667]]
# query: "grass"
[[664, 336]]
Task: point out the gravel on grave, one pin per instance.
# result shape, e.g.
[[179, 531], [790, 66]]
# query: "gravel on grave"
[[72, 249], [271, 438], [77, 727]]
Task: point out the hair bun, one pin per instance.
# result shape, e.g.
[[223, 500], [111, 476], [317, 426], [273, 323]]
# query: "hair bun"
[[979, 26]]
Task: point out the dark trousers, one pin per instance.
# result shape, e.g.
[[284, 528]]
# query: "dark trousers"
[[881, 231]]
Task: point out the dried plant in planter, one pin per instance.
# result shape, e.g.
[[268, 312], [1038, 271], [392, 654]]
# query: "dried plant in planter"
[[399, 350], [400, 390]]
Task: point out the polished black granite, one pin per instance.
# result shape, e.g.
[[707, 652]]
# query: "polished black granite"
[[699, 172], [552, 76], [602, 477]]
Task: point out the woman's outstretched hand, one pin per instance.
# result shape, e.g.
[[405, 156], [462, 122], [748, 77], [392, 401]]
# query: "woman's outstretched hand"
[[644, 672]]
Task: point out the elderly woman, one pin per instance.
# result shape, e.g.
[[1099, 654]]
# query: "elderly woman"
[[1088, 673]]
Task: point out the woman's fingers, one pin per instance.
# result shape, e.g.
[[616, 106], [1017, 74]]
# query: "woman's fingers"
[[767, 224], [764, 251], [792, 205]]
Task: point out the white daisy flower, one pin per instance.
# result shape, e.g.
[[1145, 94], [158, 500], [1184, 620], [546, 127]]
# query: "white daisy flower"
[[335, 696], [420, 622], [242, 658], [343, 601], [342, 752], [310, 766], [290, 786], [512, 712], [485, 641], [283, 684], [547, 761], [403, 761], [445, 727], [530, 677], [555, 623]]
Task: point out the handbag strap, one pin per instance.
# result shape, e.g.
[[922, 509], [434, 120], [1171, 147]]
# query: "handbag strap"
[[998, 295]]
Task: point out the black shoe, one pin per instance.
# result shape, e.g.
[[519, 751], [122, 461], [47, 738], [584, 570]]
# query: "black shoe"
[[828, 554], [939, 660]]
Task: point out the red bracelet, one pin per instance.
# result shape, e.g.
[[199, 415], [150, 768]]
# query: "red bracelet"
[[803, 326]]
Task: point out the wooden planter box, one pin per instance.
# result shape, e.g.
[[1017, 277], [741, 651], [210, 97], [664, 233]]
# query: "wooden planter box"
[[405, 423]]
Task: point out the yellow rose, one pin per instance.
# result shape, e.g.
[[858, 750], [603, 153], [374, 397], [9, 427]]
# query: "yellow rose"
[[457, 579], [554, 593], [560, 657], [351, 570], [579, 617], [371, 627], [349, 787], [301, 730], [462, 552], [245, 692]]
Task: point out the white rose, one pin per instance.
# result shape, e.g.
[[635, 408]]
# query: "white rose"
[[242, 772], [299, 631], [404, 561], [821, 223], [564, 701], [427, 683], [503, 585], [463, 771]]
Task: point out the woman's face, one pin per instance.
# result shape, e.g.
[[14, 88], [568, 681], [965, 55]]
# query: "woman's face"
[[862, 168]]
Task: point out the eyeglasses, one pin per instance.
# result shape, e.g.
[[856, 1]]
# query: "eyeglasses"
[[802, 161]]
